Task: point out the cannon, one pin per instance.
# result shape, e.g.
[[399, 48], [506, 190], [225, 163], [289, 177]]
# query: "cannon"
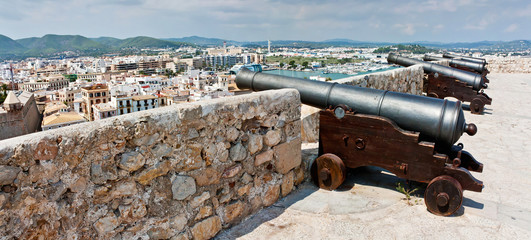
[[408, 135], [445, 82], [473, 67], [465, 58]]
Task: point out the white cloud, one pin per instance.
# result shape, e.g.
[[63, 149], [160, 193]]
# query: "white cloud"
[[511, 28]]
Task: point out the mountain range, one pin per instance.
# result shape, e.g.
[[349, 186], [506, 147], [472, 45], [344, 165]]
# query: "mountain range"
[[57, 45], [76, 45]]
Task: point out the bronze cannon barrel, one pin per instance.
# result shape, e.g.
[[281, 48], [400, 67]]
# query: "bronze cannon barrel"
[[476, 81], [455, 61], [437, 120], [466, 58]]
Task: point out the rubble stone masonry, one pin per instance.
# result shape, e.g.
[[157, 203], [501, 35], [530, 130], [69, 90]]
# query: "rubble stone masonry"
[[179, 172], [509, 64]]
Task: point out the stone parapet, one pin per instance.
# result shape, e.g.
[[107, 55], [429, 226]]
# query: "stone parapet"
[[509, 64], [180, 172]]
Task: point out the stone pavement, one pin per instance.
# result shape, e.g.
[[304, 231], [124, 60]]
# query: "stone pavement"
[[367, 206]]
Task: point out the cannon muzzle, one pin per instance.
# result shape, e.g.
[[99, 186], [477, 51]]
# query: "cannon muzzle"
[[480, 67], [476, 81], [437, 120]]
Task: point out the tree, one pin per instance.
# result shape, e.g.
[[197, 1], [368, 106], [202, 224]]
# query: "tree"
[[281, 65], [292, 64], [305, 64]]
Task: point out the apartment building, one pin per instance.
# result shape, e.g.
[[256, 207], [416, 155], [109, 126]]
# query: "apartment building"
[[94, 94]]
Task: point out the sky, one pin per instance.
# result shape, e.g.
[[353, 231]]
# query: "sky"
[[259, 20]]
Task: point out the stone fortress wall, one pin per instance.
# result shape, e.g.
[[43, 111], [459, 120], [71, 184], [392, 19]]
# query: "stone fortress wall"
[[509, 64], [180, 172]]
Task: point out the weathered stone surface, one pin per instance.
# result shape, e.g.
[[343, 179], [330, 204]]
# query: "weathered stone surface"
[[3, 199], [161, 150], [209, 153], [182, 187], [287, 156], [222, 153], [299, 175], [232, 134], [270, 196], [204, 212], [263, 157], [106, 224], [178, 222], [238, 152], [246, 178], [44, 173], [181, 236], [132, 212], [233, 211], [272, 137], [244, 190], [206, 177], [101, 173], [147, 140], [207, 228], [192, 158], [149, 174], [232, 171], [255, 143], [197, 201], [8, 174], [269, 121], [46, 150], [293, 130], [131, 161], [287, 183], [161, 203]]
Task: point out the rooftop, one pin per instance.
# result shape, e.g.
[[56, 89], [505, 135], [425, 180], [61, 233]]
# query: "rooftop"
[[63, 117], [367, 205], [144, 97]]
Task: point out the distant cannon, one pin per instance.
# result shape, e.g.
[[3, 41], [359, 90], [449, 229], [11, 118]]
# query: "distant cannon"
[[411, 136], [471, 79], [450, 82], [476, 67], [465, 58]]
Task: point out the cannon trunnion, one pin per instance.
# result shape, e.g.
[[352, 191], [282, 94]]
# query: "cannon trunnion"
[[354, 140], [410, 136]]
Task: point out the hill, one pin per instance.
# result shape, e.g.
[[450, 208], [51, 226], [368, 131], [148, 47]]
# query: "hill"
[[8, 45], [109, 41], [149, 42], [51, 43], [201, 41]]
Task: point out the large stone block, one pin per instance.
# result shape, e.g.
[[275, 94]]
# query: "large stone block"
[[149, 174], [206, 177], [207, 228], [255, 143], [287, 156], [238, 152], [131, 161], [271, 195], [182, 187], [8, 174], [233, 211]]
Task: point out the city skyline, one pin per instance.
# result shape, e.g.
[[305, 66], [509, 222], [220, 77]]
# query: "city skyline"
[[379, 21]]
